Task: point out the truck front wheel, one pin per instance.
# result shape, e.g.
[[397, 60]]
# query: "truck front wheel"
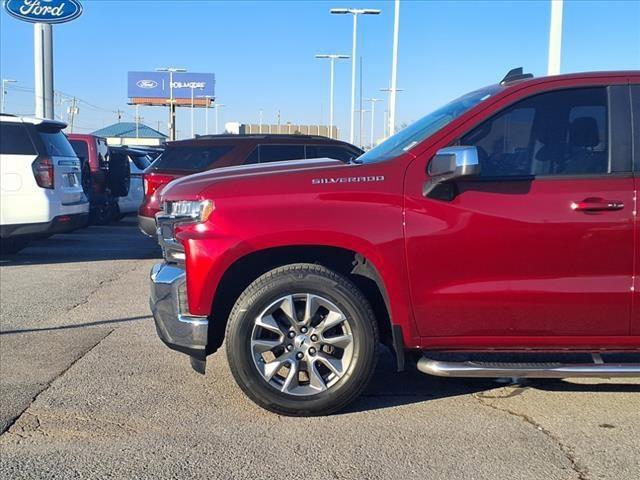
[[302, 340]]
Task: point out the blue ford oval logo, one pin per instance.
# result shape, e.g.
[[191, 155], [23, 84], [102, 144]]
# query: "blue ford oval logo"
[[44, 11], [147, 83]]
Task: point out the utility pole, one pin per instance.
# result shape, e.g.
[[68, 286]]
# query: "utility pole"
[[73, 110], [555, 37], [119, 113], [138, 120], [361, 108], [4, 91]]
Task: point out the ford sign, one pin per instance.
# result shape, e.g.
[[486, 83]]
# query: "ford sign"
[[147, 84], [44, 11]]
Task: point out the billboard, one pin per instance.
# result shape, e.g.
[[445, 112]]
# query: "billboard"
[[155, 85]]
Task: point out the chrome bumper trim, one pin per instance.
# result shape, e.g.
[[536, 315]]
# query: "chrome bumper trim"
[[179, 330]]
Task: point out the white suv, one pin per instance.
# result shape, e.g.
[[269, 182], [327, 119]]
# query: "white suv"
[[40, 182]]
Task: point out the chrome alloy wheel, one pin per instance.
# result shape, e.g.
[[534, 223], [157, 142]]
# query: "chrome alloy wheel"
[[302, 344]]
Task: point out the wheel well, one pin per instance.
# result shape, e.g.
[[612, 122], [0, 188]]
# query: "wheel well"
[[350, 264]]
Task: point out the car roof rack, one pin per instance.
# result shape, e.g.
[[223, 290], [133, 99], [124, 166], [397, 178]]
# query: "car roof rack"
[[515, 75]]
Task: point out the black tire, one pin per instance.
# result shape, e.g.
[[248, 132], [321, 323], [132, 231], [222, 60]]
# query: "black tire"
[[294, 279], [119, 175], [11, 246], [87, 180]]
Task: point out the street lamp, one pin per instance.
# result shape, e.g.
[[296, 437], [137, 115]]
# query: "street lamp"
[[555, 38], [373, 114], [394, 70], [355, 12], [332, 57], [4, 92], [206, 112], [172, 107], [217, 107]]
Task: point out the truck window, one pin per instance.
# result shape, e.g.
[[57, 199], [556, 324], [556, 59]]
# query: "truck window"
[[81, 148], [190, 158], [15, 140], [557, 133], [279, 153]]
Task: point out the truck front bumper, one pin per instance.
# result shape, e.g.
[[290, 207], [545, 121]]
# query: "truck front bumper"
[[176, 328]]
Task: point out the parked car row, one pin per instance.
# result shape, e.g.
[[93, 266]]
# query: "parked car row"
[[210, 152], [51, 183]]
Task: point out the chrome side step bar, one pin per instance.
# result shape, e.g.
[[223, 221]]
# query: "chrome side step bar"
[[597, 369]]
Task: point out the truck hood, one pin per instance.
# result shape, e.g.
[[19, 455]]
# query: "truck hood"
[[189, 187]]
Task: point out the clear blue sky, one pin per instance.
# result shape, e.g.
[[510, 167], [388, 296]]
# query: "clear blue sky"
[[263, 53]]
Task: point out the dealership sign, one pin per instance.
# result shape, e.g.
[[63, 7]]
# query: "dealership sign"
[[157, 85], [44, 11]]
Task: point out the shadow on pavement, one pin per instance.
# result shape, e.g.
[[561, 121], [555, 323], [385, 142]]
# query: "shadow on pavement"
[[389, 388], [121, 241], [77, 325]]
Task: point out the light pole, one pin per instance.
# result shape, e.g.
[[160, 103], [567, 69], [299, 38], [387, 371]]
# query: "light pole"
[[332, 57], [387, 129], [394, 70], [192, 107], [4, 91], [206, 112], [217, 107], [172, 106], [373, 115], [555, 37], [355, 12]]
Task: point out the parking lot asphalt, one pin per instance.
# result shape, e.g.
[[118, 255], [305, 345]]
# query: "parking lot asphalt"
[[89, 391]]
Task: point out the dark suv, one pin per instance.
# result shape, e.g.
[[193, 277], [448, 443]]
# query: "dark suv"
[[186, 157]]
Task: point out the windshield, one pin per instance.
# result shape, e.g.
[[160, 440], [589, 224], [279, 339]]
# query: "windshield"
[[415, 133]]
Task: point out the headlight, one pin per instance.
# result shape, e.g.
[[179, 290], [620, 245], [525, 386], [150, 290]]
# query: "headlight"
[[189, 210]]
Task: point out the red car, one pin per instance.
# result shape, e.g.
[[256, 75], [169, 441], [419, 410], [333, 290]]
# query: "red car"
[[217, 151], [495, 237], [103, 180]]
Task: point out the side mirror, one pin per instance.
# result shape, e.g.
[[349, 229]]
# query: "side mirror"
[[451, 163]]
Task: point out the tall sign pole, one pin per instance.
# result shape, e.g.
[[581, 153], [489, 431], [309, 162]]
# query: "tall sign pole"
[[43, 16], [43, 68]]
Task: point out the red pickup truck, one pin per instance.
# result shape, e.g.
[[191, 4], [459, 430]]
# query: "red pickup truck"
[[495, 237]]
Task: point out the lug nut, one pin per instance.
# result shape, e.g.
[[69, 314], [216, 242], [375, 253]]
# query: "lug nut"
[[289, 347], [303, 329], [312, 351], [314, 338], [299, 355], [292, 334]]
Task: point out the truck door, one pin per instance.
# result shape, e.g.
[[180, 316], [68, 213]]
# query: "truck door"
[[541, 243]]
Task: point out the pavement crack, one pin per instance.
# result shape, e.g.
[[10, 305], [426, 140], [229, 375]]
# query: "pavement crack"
[[101, 284], [580, 470], [12, 421]]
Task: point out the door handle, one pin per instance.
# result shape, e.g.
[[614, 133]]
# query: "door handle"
[[596, 204]]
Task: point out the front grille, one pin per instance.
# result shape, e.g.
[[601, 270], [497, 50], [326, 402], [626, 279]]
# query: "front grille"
[[172, 250]]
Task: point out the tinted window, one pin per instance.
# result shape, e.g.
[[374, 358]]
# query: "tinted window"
[[81, 148], [140, 161], [190, 158], [55, 142], [15, 140], [330, 151], [415, 133], [279, 153], [557, 133], [254, 157]]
